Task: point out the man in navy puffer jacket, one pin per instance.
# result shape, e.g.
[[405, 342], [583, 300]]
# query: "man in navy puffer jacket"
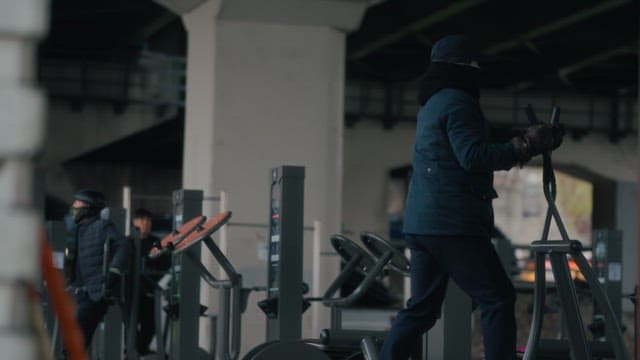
[[93, 282], [448, 215]]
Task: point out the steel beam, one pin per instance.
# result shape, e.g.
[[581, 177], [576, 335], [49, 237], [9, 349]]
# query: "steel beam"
[[600, 57], [522, 39], [434, 18]]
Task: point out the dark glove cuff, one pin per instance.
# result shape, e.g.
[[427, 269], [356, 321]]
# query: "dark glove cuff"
[[522, 150]]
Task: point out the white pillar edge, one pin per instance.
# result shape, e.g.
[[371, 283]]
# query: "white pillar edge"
[[126, 204], [316, 275]]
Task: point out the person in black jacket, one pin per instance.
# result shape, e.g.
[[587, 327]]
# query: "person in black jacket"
[[448, 215], [150, 272], [94, 276]]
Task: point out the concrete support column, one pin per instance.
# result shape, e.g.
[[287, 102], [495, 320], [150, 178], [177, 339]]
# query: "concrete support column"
[[265, 87], [22, 22]]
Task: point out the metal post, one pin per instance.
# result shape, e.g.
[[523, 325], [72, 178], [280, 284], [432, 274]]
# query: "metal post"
[[213, 329], [608, 268], [157, 302], [285, 252], [613, 331], [126, 204], [224, 233], [336, 318], [134, 301], [637, 288], [224, 297], [186, 288], [450, 337]]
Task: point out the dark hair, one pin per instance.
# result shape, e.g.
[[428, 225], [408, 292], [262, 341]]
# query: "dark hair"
[[142, 213]]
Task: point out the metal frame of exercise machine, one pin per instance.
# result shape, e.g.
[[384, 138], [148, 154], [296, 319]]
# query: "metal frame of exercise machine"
[[232, 296], [381, 257], [285, 303], [169, 290], [607, 264], [184, 244], [187, 204], [557, 251]]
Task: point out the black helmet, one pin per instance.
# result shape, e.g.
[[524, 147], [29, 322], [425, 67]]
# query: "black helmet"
[[94, 198]]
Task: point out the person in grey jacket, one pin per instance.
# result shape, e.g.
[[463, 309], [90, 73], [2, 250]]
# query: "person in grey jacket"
[[448, 215], [94, 277]]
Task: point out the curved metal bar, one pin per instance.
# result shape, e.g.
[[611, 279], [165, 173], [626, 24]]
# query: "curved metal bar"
[[369, 349], [377, 245], [213, 326], [229, 303], [564, 285], [547, 226], [229, 323], [557, 251], [612, 327], [347, 249], [364, 285], [539, 294], [559, 223], [236, 320], [344, 275], [204, 273], [555, 114], [222, 260], [224, 295]]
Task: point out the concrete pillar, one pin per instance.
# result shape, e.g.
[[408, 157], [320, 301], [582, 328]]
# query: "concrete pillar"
[[22, 22], [265, 87]]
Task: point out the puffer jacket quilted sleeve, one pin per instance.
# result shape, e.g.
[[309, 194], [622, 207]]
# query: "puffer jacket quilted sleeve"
[[451, 185], [121, 248], [91, 239]]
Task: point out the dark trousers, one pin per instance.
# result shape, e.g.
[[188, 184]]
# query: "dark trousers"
[[146, 323], [89, 314], [472, 263]]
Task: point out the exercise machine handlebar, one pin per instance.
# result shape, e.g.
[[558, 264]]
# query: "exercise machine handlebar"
[[557, 252], [356, 259]]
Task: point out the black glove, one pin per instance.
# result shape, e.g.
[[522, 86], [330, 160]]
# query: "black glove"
[[522, 150], [112, 282], [539, 139]]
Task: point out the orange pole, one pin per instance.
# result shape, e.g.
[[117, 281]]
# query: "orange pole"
[[63, 305]]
